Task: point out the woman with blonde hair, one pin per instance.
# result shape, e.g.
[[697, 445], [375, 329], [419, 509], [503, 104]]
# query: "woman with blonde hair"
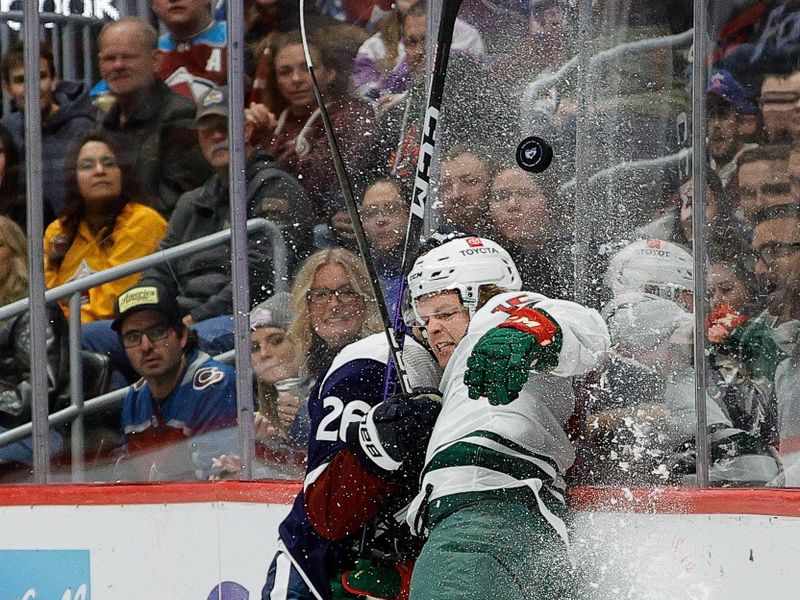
[[13, 262], [15, 367], [333, 306]]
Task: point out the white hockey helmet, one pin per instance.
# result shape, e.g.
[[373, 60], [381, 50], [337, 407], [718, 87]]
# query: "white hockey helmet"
[[463, 264], [639, 321], [651, 266]]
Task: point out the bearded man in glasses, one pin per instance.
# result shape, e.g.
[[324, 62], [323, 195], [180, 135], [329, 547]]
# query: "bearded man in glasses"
[[183, 392]]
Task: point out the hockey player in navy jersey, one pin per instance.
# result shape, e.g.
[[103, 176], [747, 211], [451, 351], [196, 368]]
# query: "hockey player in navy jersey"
[[321, 537], [491, 486]]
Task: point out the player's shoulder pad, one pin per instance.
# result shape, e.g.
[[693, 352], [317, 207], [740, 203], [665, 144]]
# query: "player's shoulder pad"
[[366, 353], [354, 378], [513, 299], [374, 347]]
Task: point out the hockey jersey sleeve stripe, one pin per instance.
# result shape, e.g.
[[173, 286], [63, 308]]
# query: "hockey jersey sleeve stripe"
[[510, 447], [535, 459], [282, 549], [464, 454], [313, 475], [455, 487]]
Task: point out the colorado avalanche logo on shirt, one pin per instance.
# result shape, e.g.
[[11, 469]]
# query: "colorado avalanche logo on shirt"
[[206, 377]]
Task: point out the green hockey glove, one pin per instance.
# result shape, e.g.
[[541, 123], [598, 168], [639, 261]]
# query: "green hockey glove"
[[750, 342], [754, 344], [501, 361], [379, 579]]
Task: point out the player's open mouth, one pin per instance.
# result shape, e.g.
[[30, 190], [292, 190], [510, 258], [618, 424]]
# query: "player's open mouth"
[[443, 346]]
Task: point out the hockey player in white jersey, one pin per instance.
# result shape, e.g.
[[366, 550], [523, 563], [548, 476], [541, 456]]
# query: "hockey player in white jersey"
[[492, 490]]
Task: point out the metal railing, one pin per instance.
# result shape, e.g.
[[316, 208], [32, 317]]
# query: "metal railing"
[[73, 290], [23, 19]]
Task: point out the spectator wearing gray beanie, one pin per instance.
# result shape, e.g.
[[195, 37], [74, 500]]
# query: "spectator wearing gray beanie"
[[281, 421]]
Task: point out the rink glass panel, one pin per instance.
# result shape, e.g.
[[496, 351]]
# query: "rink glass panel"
[[609, 86]]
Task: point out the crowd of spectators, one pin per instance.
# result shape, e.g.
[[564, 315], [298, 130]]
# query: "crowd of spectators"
[[139, 163]]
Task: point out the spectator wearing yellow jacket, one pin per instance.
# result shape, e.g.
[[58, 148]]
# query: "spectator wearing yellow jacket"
[[102, 225]]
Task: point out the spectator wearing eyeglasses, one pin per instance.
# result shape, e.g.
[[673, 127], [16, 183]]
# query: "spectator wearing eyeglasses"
[[523, 216], [103, 224], [776, 244], [384, 210], [182, 393], [201, 282], [332, 305]]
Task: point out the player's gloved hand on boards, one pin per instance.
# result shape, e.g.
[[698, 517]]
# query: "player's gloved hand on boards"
[[395, 433], [501, 361], [378, 578], [748, 341]]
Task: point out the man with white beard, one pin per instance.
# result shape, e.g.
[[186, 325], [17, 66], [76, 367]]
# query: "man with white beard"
[[201, 282]]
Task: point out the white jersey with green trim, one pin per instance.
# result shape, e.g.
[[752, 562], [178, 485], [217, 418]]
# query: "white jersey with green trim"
[[476, 446]]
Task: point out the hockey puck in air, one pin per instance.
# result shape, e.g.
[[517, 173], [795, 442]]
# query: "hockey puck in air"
[[534, 154]]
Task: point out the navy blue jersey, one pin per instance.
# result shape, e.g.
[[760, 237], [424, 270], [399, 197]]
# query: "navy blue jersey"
[[352, 385], [323, 530]]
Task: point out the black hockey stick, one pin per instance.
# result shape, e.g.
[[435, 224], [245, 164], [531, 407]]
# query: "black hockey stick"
[[422, 177], [395, 347], [419, 199]]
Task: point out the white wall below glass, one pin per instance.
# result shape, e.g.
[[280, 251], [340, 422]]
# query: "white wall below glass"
[[161, 547]]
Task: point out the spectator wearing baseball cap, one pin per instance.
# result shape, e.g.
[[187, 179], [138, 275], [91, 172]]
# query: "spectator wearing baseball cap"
[[732, 122], [201, 282], [182, 393]]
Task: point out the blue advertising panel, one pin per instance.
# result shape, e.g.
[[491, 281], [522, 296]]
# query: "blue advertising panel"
[[44, 574]]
